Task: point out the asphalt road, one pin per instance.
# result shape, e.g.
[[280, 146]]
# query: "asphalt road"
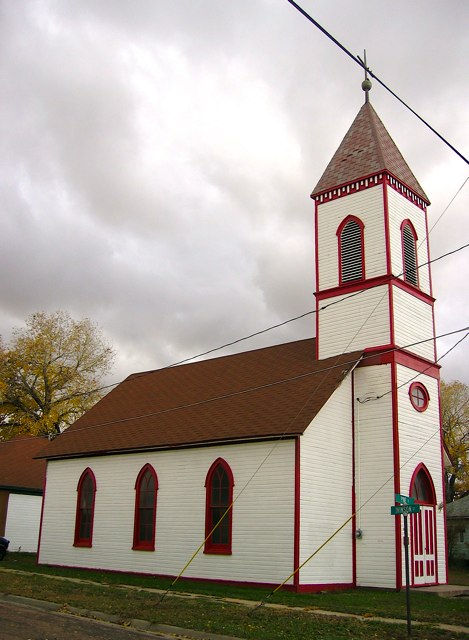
[[19, 622]]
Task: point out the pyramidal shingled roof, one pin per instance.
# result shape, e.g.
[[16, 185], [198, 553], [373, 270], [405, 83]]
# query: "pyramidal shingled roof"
[[367, 149]]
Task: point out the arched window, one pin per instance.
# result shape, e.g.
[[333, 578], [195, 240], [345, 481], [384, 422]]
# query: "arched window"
[[146, 487], [351, 250], [86, 491], [421, 487], [409, 253], [218, 510]]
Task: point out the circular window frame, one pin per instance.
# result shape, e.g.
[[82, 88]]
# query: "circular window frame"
[[425, 396]]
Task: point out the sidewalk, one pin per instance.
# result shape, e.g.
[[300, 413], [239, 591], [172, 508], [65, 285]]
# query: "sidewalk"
[[144, 625]]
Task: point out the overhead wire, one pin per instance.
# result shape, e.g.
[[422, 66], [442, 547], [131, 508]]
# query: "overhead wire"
[[358, 61]]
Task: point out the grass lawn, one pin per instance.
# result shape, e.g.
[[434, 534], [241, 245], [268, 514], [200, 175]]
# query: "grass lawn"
[[229, 619]]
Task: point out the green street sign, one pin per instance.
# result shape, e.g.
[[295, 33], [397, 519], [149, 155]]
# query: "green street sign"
[[403, 499], [405, 509]]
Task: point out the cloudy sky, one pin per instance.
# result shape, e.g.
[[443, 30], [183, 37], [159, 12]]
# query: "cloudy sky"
[[157, 158]]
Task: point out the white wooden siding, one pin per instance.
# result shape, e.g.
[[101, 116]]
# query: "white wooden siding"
[[413, 321], [376, 558], [23, 519], [419, 442], [401, 209], [357, 323], [326, 491], [263, 517], [368, 207]]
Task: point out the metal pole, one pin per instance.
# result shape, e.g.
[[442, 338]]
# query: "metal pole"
[[407, 585]]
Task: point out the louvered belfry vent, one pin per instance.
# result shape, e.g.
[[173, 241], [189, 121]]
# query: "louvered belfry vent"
[[351, 252], [410, 258]]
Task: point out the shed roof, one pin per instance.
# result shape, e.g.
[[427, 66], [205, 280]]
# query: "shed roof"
[[458, 508], [260, 394], [18, 467], [367, 149]]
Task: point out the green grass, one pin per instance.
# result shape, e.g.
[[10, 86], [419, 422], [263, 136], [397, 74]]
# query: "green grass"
[[234, 620]]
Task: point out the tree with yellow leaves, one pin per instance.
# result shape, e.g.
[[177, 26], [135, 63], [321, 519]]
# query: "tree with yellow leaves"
[[50, 374], [455, 422]]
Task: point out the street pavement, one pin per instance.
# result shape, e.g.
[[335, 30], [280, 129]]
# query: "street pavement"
[[20, 622]]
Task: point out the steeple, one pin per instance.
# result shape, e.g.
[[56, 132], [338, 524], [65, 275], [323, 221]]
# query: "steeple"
[[367, 149]]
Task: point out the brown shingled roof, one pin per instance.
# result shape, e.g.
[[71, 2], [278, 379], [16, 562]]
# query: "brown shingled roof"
[[235, 397], [367, 149], [18, 468]]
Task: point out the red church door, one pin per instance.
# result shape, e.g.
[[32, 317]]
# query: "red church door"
[[423, 529]]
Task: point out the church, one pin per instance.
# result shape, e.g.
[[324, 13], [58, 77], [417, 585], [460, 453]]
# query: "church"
[[282, 463]]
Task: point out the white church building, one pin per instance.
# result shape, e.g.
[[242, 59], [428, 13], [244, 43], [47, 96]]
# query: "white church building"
[[293, 443]]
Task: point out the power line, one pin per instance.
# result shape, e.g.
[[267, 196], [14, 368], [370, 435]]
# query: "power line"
[[358, 61]]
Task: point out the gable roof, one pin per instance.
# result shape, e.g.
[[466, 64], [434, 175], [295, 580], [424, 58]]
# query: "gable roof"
[[260, 394], [367, 149], [18, 468], [458, 508]]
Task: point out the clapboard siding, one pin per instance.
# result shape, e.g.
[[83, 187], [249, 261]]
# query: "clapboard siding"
[[357, 323], [22, 525], [368, 207], [325, 486], [262, 517], [420, 442], [376, 565], [413, 322], [401, 209]]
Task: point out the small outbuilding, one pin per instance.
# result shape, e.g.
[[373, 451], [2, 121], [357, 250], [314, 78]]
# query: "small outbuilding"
[[457, 518], [21, 489]]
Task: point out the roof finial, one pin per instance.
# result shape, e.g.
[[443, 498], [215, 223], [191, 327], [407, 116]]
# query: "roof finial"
[[366, 84]]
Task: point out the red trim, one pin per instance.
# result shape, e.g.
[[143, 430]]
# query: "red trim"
[[358, 285], [367, 182], [84, 542], [418, 468], [349, 188], [397, 481], [392, 332], [354, 503], [426, 397], [328, 586], [402, 357], [339, 232], [296, 534], [144, 545], [42, 513], [210, 546], [417, 524]]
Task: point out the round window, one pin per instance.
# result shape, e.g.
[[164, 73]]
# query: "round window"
[[419, 396]]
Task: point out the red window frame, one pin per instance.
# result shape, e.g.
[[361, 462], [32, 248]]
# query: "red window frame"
[[145, 509], [339, 233], [405, 267], [84, 519], [419, 396], [219, 485]]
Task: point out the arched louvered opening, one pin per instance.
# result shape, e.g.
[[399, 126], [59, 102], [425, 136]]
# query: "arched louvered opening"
[[351, 250], [409, 253]]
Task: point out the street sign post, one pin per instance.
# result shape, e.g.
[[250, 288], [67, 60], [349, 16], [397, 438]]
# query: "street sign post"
[[407, 506]]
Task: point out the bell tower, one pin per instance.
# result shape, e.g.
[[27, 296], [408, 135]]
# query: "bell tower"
[[374, 294]]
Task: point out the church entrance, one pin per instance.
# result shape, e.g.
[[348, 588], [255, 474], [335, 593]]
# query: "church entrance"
[[423, 529]]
